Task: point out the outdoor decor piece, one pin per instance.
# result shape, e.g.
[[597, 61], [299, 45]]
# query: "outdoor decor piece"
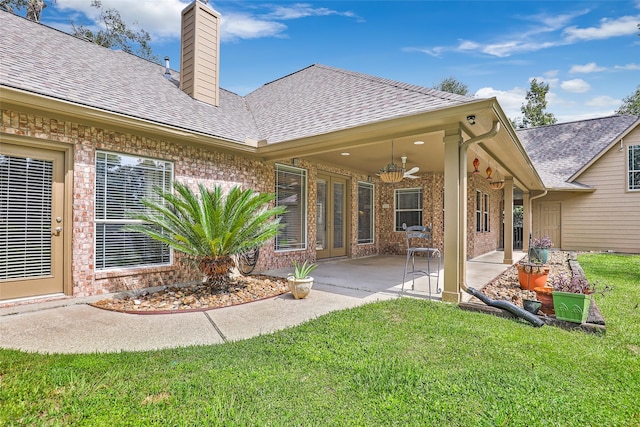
[[300, 282], [544, 295], [476, 163], [532, 306], [539, 249], [571, 297], [499, 184], [532, 275]]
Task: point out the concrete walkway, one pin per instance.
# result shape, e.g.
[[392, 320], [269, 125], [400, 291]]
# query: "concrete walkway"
[[69, 325]]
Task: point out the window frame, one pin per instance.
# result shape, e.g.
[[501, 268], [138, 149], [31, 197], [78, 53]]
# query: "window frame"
[[630, 171], [486, 215], [372, 222], [125, 219], [302, 173], [478, 211], [417, 190]]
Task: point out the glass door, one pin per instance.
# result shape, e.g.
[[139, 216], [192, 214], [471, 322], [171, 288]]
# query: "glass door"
[[31, 228], [331, 216]]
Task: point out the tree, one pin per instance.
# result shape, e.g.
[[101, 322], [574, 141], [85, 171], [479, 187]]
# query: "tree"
[[33, 7], [116, 34], [451, 85], [210, 227], [631, 104], [533, 111]]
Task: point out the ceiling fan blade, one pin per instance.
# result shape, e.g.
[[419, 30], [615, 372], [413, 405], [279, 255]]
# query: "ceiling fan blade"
[[412, 170], [411, 176]]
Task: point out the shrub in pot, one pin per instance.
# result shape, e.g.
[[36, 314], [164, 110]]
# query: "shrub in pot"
[[300, 282], [572, 297], [539, 249]]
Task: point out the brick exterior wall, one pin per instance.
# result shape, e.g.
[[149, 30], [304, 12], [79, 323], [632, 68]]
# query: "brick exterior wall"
[[481, 242], [195, 165]]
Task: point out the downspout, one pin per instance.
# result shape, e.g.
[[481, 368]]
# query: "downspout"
[[504, 305], [530, 219]]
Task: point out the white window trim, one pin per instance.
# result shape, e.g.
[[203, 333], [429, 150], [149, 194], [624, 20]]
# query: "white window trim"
[[280, 166], [486, 213], [396, 210], [478, 203], [628, 178], [128, 220], [373, 213]]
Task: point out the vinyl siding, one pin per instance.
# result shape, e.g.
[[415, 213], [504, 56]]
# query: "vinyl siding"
[[608, 218]]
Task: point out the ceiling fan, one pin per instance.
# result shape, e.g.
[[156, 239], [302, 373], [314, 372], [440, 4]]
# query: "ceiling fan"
[[393, 173]]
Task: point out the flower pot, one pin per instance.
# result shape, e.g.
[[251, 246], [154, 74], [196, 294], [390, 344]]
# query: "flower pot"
[[531, 306], [571, 307], [538, 255], [531, 276], [300, 288], [544, 295]]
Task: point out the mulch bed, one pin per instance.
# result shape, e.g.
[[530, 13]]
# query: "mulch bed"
[[196, 297]]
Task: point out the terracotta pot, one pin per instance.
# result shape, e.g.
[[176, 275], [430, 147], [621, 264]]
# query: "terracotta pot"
[[531, 276], [545, 296]]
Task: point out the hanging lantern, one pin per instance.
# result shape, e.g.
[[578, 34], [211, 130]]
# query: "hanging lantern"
[[489, 172], [476, 163]]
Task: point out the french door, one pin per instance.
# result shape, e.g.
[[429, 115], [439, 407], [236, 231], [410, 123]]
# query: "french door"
[[31, 221], [332, 218]]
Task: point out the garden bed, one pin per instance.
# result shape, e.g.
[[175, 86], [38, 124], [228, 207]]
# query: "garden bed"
[[506, 287]]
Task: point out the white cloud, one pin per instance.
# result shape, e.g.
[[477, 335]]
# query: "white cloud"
[[623, 26], [591, 67], [575, 86], [160, 18], [628, 67], [510, 100], [603, 101], [303, 10], [241, 26]]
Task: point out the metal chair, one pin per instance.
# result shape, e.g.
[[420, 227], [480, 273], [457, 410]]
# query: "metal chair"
[[415, 235]]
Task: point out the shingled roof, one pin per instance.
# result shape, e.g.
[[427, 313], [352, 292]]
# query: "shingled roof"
[[559, 151], [312, 101]]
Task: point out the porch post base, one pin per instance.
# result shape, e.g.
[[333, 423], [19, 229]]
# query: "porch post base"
[[448, 296], [507, 261]]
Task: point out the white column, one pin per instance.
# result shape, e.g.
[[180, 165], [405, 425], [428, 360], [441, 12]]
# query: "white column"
[[526, 221], [508, 220], [454, 263]]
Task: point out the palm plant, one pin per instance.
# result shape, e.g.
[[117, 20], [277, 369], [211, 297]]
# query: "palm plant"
[[210, 227]]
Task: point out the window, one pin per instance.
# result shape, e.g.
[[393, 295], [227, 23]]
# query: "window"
[[478, 211], [486, 213], [121, 183], [408, 207], [365, 212], [291, 185], [634, 167]]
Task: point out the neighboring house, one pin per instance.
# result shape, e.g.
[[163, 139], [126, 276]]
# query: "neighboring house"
[[86, 132], [591, 169]]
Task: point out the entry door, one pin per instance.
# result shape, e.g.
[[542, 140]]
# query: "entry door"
[[332, 217], [31, 227], [550, 220]]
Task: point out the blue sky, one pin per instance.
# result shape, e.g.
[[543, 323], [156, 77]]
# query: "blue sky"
[[587, 51]]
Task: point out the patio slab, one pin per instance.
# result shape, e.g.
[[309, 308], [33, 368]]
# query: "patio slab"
[[70, 325]]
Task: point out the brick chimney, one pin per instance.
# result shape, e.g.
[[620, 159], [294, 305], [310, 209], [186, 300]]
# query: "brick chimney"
[[200, 53]]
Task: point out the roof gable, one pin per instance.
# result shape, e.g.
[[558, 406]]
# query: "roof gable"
[[321, 99], [559, 151]]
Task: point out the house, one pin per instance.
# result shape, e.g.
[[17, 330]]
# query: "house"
[[86, 132], [591, 170]]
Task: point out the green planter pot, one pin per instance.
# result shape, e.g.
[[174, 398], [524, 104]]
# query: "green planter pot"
[[538, 255], [571, 307]]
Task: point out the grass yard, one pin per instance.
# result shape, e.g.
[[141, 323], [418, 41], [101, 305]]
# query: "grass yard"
[[401, 362]]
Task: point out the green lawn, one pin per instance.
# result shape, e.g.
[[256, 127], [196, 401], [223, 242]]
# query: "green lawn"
[[401, 362]]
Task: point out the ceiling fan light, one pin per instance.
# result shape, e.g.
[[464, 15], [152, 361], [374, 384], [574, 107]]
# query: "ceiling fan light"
[[392, 176]]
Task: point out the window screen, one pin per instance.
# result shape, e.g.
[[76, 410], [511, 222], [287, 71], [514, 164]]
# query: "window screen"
[[291, 185], [634, 167], [121, 184], [365, 212], [408, 207]]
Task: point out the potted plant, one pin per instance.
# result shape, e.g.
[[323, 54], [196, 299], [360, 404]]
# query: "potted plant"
[[539, 249], [533, 272], [545, 296], [300, 282], [572, 297]]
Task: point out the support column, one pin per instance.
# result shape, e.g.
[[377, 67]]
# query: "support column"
[[508, 220], [526, 221], [454, 264]]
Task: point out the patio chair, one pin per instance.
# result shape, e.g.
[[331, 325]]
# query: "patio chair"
[[418, 239]]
